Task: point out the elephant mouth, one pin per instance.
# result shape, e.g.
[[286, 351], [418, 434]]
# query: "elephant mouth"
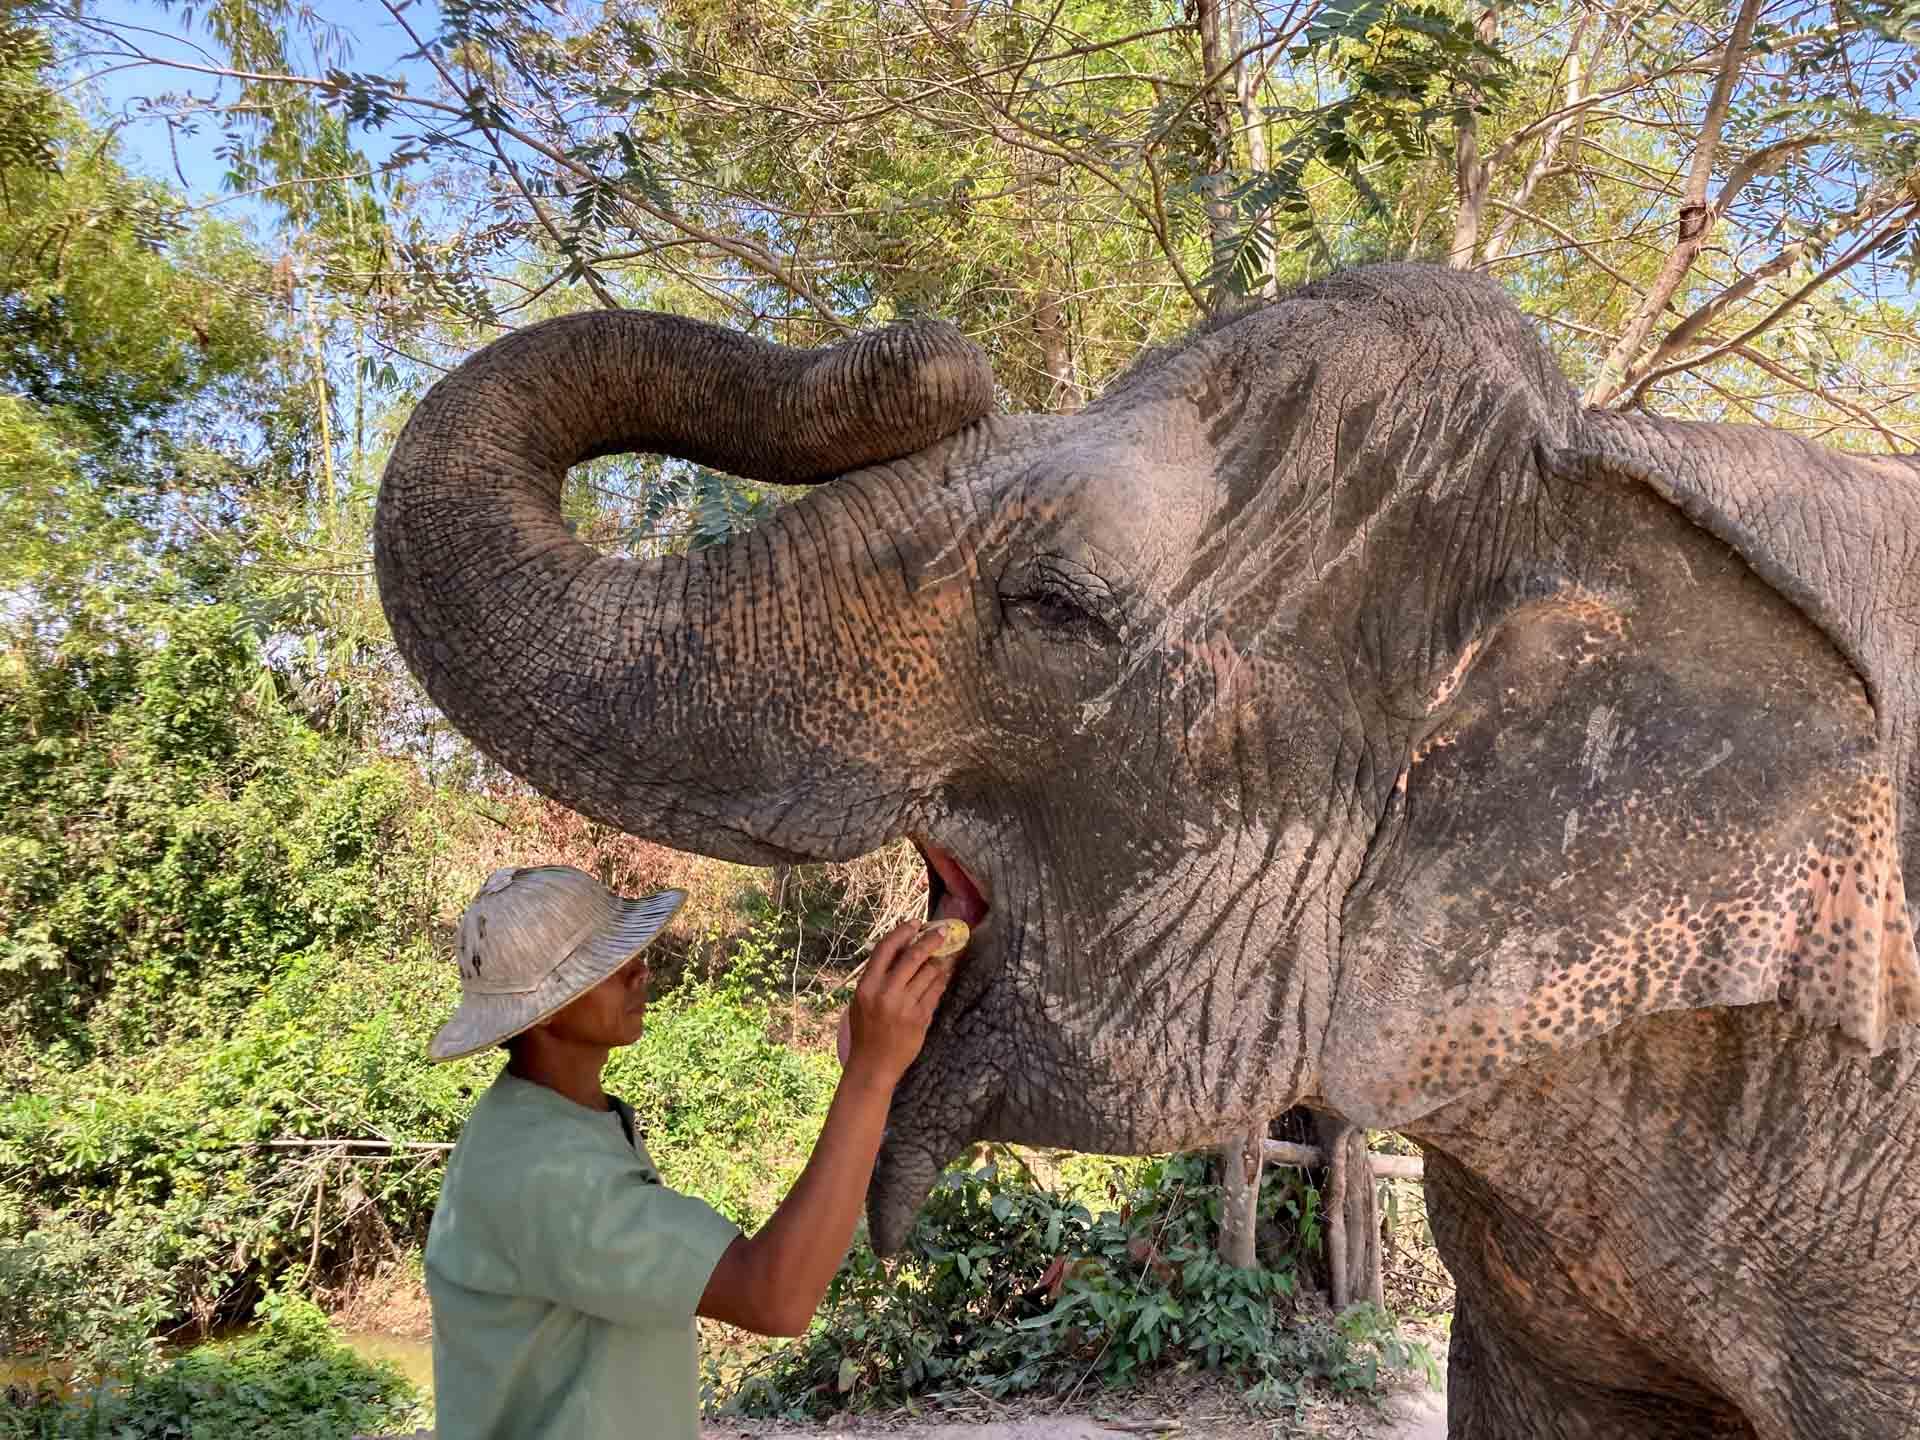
[[952, 1090], [952, 892]]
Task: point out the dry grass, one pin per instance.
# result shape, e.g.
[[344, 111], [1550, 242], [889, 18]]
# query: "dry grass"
[[1416, 1284], [514, 826], [852, 903]]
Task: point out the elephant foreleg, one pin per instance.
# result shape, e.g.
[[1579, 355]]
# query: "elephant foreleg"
[[1496, 1390]]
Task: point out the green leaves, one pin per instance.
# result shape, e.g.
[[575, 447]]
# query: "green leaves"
[[173, 820], [129, 343], [290, 1377], [29, 115], [729, 1113], [1402, 71], [1008, 1287]]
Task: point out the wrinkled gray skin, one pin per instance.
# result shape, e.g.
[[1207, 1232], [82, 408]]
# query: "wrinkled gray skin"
[[1332, 713]]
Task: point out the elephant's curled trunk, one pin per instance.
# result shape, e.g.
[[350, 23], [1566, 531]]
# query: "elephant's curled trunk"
[[642, 693]]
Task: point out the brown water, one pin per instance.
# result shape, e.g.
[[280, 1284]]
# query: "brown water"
[[413, 1358]]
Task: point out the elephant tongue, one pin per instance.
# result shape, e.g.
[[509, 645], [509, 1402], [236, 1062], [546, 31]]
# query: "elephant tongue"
[[956, 907], [955, 895]]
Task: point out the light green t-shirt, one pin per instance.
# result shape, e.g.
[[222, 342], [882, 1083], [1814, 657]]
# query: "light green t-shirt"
[[564, 1278]]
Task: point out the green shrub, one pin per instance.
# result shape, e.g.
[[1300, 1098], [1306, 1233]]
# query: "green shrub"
[[1005, 1287], [172, 1150], [216, 929], [290, 1377], [65, 1307], [179, 836], [728, 1112]]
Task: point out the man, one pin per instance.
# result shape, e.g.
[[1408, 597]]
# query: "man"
[[564, 1277]]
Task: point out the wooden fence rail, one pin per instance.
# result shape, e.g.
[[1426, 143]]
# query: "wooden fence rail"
[[1349, 1213], [1308, 1157]]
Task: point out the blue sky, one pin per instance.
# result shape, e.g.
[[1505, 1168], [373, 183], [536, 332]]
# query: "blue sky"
[[369, 40], [363, 36]]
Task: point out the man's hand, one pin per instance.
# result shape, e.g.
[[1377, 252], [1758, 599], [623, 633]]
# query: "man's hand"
[[773, 1282], [886, 1024]]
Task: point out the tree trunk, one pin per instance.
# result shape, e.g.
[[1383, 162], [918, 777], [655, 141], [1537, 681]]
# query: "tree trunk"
[[1240, 1167], [1471, 178], [1050, 329], [1218, 102], [1253, 124], [1352, 1214]]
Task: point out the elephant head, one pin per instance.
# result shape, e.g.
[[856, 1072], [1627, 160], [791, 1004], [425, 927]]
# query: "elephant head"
[[1334, 711]]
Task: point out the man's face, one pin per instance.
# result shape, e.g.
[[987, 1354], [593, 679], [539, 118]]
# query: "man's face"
[[611, 1014]]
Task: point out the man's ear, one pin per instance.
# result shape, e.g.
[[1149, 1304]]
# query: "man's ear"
[[1838, 537]]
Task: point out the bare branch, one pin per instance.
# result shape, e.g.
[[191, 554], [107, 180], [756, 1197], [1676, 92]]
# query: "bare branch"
[[276, 185], [1767, 321], [1587, 105], [540, 211], [1578, 74], [751, 255], [1696, 219], [1571, 240], [1871, 206], [1757, 164], [1826, 396]]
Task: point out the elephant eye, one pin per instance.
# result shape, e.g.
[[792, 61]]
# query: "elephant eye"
[[1050, 608], [1061, 601]]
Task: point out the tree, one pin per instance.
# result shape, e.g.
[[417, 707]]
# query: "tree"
[[1060, 180], [1711, 205], [128, 341], [1746, 253]]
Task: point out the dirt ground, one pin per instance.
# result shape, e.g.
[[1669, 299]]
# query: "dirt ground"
[[1413, 1420], [1175, 1407], [1192, 1408], [1403, 1417]]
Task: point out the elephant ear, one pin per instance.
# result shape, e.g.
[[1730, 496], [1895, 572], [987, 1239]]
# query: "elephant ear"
[[1838, 537]]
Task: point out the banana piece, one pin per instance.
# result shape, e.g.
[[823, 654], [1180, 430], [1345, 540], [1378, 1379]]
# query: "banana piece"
[[953, 936]]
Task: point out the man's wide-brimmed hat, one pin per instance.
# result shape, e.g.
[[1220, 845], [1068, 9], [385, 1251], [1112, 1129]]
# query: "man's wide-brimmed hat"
[[536, 939]]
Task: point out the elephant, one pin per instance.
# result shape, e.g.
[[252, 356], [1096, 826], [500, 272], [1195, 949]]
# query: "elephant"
[[1333, 713]]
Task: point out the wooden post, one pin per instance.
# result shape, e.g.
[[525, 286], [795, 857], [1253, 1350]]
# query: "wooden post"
[[1333, 1215], [1349, 1203], [1240, 1167], [1352, 1216]]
